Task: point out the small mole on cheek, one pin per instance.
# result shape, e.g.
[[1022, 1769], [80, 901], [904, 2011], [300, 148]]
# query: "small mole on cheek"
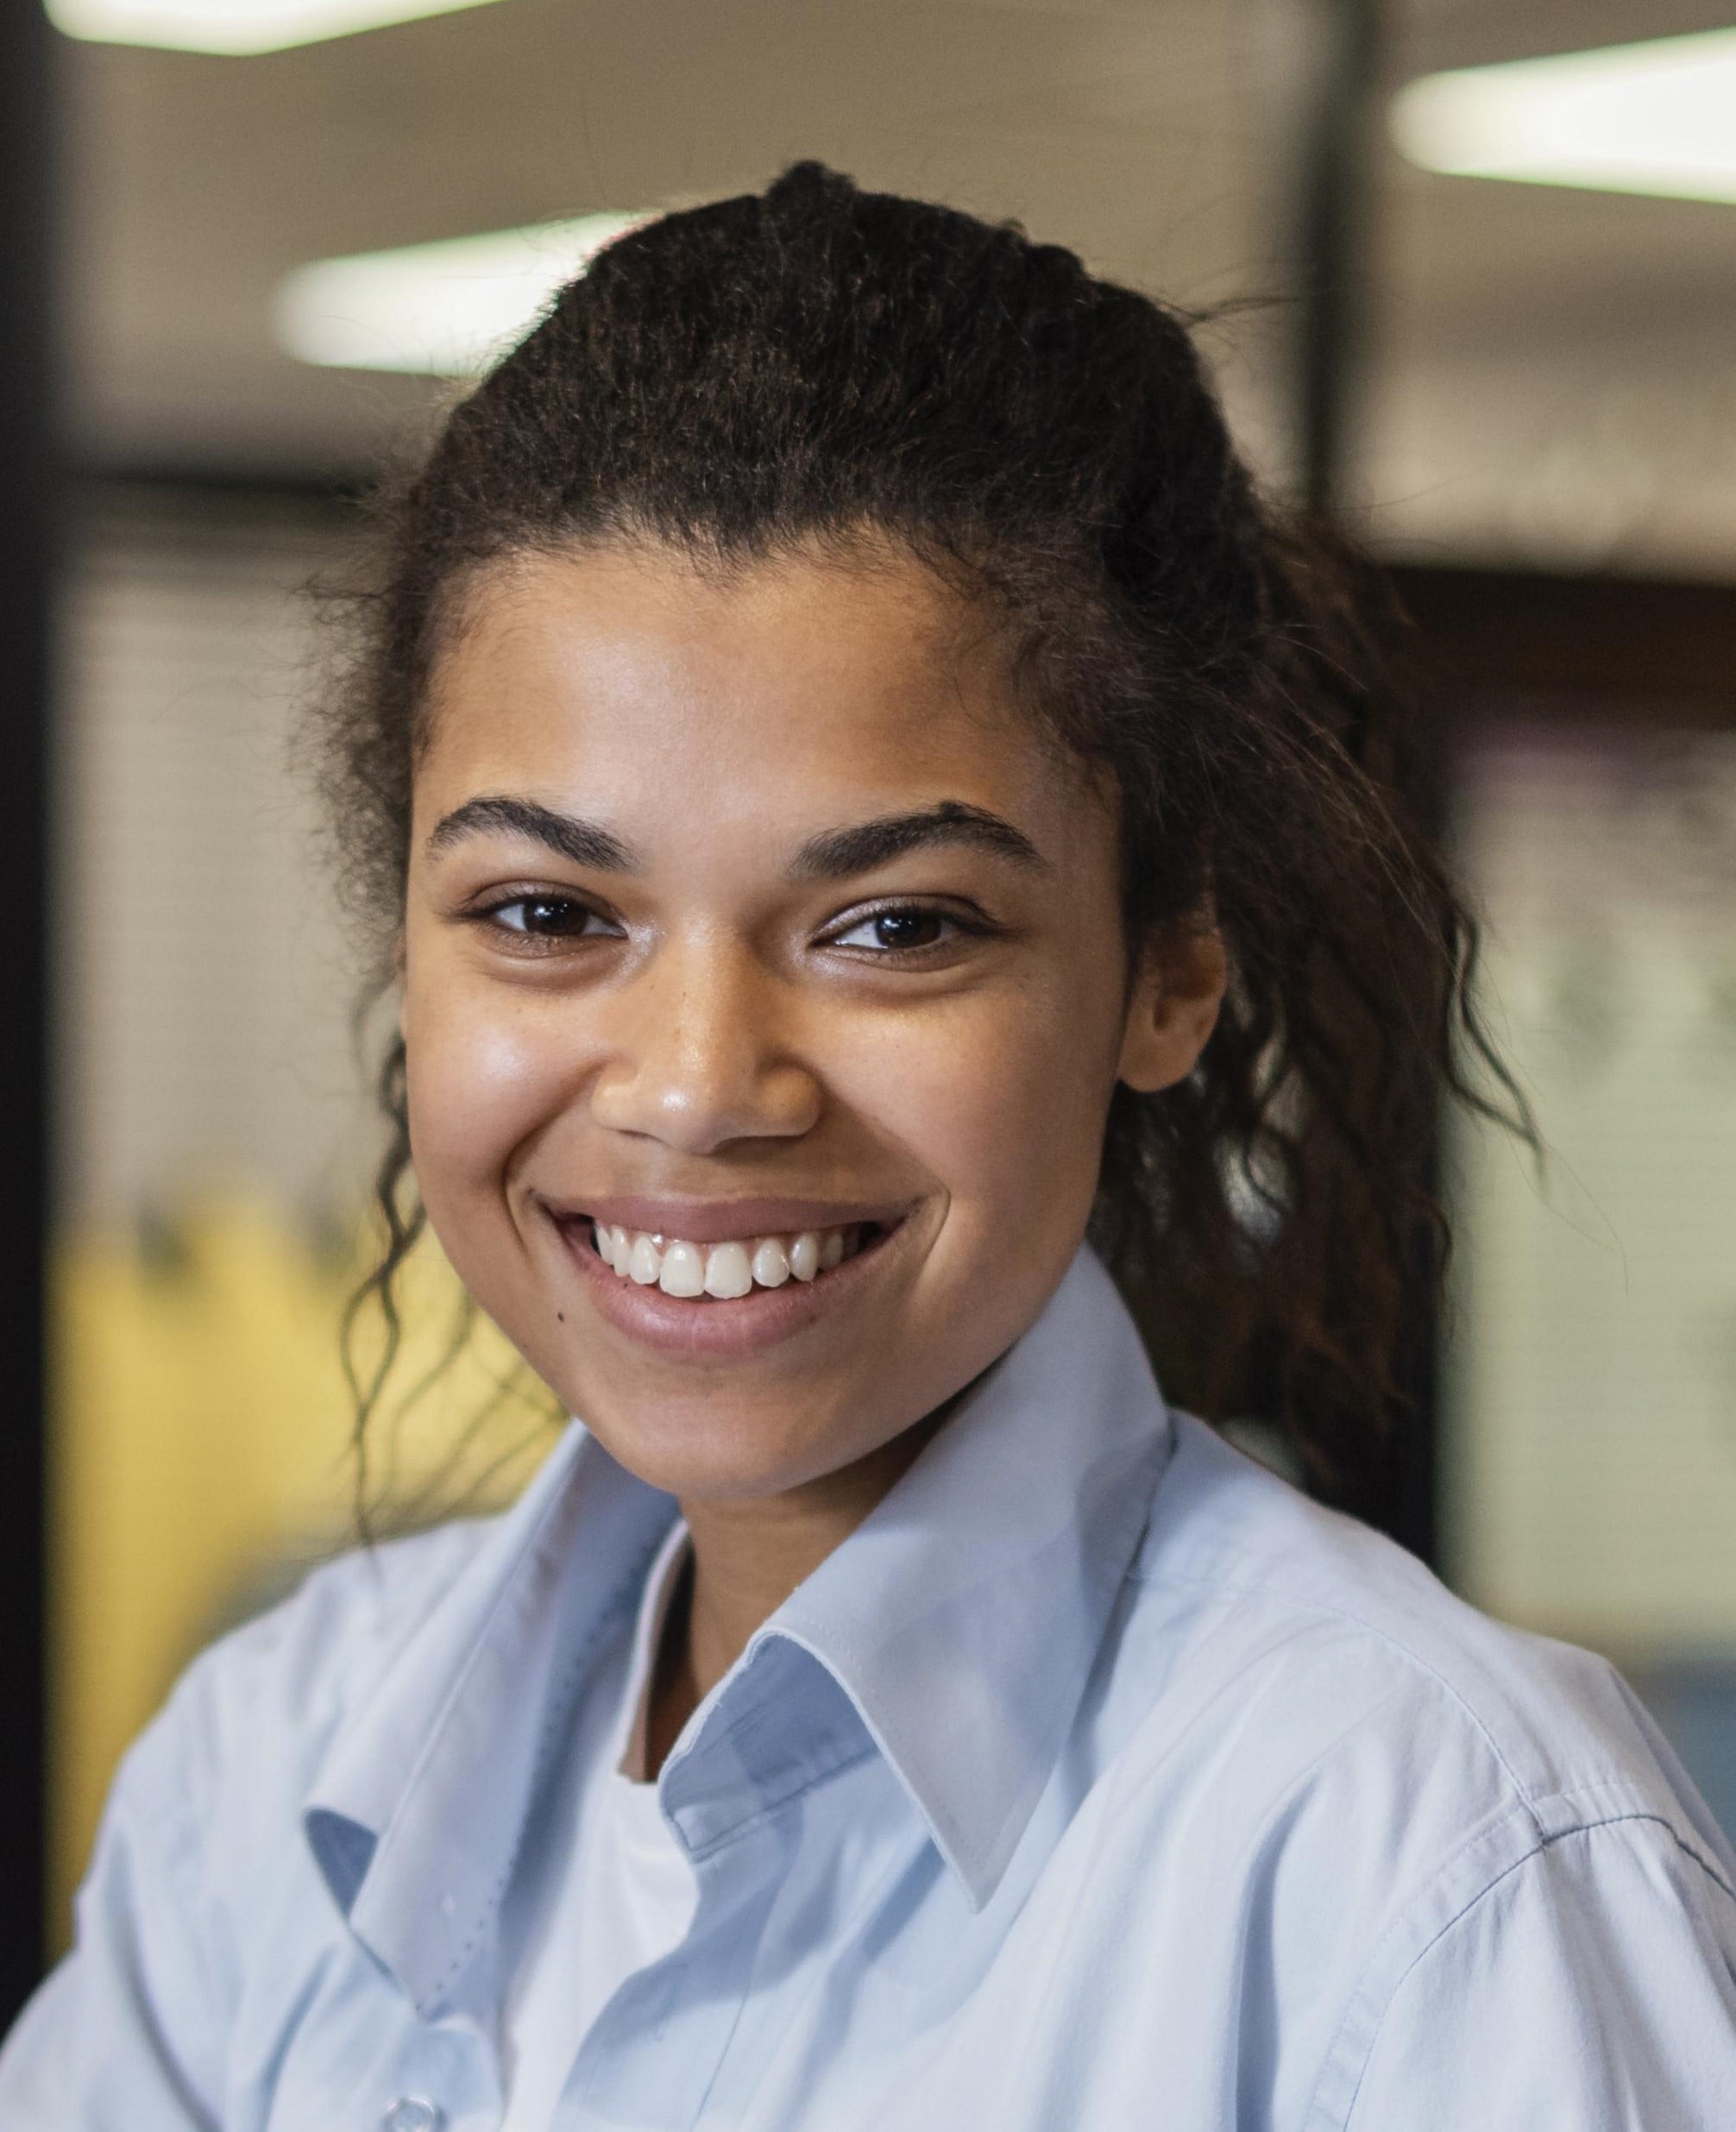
[[562, 1315]]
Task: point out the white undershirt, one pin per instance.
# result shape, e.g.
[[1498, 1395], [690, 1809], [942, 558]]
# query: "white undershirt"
[[622, 1894]]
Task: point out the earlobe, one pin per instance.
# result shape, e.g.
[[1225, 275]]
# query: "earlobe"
[[1173, 1011]]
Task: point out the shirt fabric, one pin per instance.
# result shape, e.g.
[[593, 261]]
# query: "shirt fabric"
[[617, 1892], [1099, 1780]]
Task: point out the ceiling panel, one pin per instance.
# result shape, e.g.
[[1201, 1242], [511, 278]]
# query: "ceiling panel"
[[1152, 135]]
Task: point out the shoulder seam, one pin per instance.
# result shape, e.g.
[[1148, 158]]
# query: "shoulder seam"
[[1471, 1903]]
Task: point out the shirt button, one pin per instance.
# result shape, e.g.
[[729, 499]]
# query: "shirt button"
[[414, 2113]]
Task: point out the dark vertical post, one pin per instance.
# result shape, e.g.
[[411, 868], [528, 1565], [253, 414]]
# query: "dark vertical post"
[[1334, 249], [1332, 235], [1411, 1509], [28, 534]]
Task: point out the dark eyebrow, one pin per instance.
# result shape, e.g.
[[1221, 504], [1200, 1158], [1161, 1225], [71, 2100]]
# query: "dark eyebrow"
[[583, 842], [836, 854]]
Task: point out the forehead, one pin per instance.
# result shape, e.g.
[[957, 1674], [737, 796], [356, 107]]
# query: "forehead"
[[798, 685]]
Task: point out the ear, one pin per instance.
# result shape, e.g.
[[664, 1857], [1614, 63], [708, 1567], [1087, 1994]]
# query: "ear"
[[1173, 1009]]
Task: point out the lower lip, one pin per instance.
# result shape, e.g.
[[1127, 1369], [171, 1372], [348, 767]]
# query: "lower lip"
[[708, 1330]]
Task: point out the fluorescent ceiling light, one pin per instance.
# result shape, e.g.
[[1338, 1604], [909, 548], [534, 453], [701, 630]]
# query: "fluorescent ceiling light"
[[1658, 118], [234, 26], [446, 309]]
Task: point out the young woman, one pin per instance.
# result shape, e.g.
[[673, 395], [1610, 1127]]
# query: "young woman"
[[859, 796]]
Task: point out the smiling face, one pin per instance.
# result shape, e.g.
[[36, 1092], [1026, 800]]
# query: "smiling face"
[[754, 943]]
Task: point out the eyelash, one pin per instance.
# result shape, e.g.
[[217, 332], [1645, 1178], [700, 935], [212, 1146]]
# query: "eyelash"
[[962, 927], [494, 915]]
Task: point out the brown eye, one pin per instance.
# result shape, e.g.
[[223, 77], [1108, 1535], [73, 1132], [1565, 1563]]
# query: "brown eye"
[[548, 917], [899, 931], [908, 928]]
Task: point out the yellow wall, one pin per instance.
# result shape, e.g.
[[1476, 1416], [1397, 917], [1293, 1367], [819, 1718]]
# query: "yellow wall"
[[201, 1456]]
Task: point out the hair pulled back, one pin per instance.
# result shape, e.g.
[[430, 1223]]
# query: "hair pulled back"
[[815, 363]]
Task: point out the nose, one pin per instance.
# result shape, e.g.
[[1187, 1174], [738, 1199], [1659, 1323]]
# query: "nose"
[[700, 1057]]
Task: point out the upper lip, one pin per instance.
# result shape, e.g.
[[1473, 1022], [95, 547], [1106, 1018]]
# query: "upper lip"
[[721, 1221]]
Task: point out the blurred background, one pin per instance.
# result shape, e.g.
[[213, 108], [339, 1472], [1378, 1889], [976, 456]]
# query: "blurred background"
[[1472, 264]]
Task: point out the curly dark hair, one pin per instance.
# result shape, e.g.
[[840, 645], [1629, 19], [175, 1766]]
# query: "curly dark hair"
[[814, 362]]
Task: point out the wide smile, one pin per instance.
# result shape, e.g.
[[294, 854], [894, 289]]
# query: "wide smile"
[[724, 1272], [711, 1281]]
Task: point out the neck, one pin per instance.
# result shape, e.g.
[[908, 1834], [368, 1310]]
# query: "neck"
[[748, 1556]]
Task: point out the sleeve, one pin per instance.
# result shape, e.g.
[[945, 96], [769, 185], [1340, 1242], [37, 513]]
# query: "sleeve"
[[1591, 1989], [125, 2036]]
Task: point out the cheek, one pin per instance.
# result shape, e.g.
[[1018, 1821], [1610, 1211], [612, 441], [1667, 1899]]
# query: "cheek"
[[1002, 1101], [482, 1081]]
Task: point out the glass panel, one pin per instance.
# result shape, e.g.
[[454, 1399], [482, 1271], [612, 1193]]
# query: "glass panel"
[[1592, 1354], [216, 1142]]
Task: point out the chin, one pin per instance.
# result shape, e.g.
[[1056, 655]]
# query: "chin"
[[707, 1451]]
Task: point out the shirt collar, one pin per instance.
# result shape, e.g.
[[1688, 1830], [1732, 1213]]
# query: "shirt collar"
[[417, 1810], [956, 1628]]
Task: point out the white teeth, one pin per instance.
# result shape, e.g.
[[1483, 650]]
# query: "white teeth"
[[727, 1270], [683, 1270]]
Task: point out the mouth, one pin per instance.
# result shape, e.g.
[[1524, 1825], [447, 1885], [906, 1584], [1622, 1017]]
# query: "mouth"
[[733, 1267], [713, 1280]]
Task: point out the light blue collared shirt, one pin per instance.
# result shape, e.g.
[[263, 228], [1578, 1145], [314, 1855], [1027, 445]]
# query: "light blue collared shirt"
[[1098, 1781]]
